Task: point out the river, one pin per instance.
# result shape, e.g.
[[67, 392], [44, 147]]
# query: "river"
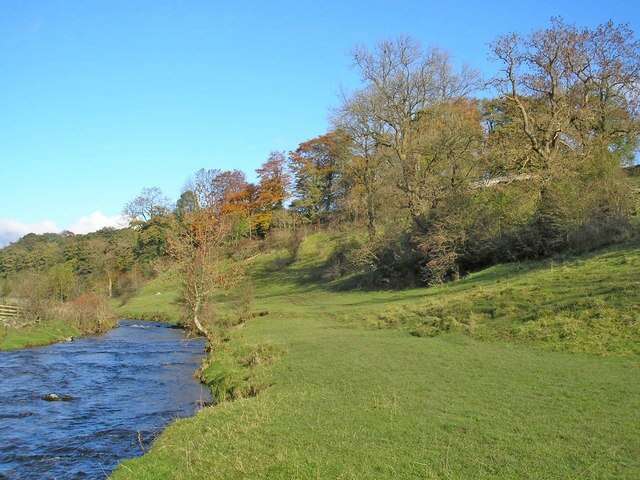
[[127, 385]]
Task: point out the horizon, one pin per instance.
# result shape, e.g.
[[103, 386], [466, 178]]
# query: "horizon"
[[104, 100]]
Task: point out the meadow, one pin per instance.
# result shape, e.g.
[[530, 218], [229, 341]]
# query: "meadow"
[[525, 370]]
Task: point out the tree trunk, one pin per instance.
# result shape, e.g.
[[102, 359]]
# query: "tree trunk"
[[196, 320], [371, 226]]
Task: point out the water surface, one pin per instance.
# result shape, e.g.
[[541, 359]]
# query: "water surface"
[[127, 384]]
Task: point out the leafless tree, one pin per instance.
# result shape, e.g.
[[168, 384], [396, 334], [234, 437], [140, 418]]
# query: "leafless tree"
[[576, 91], [148, 204]]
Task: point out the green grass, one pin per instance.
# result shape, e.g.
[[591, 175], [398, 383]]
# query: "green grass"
[[158, 300], [41, 334], [589, 304], [501, 396]]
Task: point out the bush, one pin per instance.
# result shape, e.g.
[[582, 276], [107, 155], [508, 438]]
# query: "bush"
[[239, 370], [90, 313]]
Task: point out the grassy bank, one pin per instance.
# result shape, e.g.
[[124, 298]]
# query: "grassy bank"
[[51, 322], [44, 333], [519, 371]]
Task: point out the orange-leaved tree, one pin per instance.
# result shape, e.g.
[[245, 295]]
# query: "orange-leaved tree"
[[272, 190], [199, 246]]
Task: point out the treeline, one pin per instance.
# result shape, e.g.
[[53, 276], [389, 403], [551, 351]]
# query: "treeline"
[[64, 266], [70, 277], [431, 181], [428, 172]]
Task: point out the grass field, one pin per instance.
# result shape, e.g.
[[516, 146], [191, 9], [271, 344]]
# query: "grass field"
[[519, 371]]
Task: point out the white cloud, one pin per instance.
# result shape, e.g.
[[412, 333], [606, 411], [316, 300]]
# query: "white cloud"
[[96, 221], [11, 230]]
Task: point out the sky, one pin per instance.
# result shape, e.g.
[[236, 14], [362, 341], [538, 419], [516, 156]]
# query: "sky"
[[99, 99]]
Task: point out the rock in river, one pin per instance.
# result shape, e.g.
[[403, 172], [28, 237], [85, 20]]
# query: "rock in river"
[[53, 397]]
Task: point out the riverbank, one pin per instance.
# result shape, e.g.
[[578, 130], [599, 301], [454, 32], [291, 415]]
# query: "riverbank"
[[45, 333], [363, 389], [59, 321]]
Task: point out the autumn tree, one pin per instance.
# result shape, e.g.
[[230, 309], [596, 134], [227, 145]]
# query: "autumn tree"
[[576, 93], [365, 166], [213, 187], [444, 141], [241, 209], [315, 166], [506, 144], [273, 188], [199, 248], [573, 94]]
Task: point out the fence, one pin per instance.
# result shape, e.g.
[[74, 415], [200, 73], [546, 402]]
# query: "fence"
[[9, 313]]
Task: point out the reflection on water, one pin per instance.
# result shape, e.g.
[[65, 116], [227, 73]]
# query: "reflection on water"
[[127, 385]]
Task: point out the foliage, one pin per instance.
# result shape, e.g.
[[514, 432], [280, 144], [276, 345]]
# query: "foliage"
[[317, 171], [442, 183]]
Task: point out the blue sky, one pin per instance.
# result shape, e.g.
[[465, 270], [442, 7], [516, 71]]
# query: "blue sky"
[[101, 99]]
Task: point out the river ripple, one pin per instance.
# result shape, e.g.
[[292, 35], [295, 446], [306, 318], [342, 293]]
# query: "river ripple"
[[127, 384]]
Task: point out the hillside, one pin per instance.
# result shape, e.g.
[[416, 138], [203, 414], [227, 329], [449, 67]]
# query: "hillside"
[[469, 380]]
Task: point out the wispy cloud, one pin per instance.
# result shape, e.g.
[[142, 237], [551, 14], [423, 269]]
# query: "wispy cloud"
[[12, 230]]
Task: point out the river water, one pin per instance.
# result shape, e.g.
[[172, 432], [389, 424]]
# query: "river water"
[[127, 385]]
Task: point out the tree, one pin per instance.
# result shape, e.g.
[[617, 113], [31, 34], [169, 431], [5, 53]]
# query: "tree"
[[199, 248], [365, 166], [575, 97], [315, 165], [214, 188], [62, 281], [113, 255], [153, 237], [576, 91], [150, 203], [272, 190], [444, 141], [187, 203], [404, 89], [241, 211]]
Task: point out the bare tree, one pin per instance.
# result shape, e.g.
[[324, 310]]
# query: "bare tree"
[[576, 91], [150, 203]]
